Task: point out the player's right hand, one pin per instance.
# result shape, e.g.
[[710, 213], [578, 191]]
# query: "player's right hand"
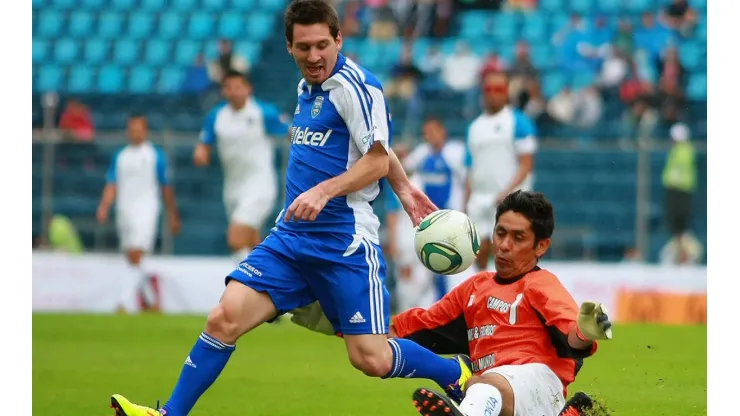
[[201, 156], [102, 214]]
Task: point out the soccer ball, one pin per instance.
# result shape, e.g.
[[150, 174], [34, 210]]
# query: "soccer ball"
[[447, 242]]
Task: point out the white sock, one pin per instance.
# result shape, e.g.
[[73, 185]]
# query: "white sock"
[[130, 289], [482, 399], [241, 254]]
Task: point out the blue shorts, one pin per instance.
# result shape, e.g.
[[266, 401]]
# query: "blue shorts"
[[345, 274]]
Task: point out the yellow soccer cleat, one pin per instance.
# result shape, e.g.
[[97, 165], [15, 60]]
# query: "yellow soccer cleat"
[[123, 407], [456, 391]]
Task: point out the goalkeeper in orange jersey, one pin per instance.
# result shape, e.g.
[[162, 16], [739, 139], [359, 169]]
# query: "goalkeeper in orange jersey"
[[523, 331]]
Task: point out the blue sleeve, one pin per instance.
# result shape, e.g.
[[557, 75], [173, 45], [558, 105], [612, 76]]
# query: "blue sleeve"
[[273, 124], [468, 156], [208, 134], [523, 126], [111, 175], [162, 172]]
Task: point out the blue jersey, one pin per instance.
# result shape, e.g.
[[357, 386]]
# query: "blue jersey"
[[441, 173], [335, 259], [334, 125]]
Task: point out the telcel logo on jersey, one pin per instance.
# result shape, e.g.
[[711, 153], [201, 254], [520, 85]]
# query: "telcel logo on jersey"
[[308, 137]]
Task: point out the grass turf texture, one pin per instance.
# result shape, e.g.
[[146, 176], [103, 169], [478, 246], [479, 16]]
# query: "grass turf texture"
[[281, 369]]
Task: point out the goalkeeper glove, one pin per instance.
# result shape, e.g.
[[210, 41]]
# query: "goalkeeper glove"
[[312, 317], [593, 321]]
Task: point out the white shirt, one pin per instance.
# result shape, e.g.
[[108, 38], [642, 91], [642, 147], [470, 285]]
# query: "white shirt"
[[138, 171], [242, 137], [494, 144]]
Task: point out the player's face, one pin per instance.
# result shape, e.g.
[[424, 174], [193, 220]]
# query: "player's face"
[[235, 90], [514, 250], [434, 133], [496, 91], [137, 130], [315, 51]]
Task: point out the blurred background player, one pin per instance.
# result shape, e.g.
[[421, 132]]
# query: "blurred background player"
[[439, 165], [500, 147], [240, 128], [136, 175]]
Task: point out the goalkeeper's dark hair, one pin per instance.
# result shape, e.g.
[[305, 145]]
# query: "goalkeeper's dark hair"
[[535, 207], [233, 73], [310, 12]]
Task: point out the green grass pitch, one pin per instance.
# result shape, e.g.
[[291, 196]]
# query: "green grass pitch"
[[80, 360]]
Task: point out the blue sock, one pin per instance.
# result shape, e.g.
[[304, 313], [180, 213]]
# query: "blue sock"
[[411, 360], [202, 367]]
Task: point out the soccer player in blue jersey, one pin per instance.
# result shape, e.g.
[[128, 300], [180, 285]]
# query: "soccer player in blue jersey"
[[324, 245]]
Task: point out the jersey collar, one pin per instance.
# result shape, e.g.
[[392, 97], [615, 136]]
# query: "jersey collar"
[[514, 279], [311, 89]]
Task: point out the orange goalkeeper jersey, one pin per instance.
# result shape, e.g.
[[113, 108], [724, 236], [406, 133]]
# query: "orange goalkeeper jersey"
[[517, 321]]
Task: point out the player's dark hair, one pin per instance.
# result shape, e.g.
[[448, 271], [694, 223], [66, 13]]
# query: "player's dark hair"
[[233, 73], [138, 116], [434, 119], [535, 207], [310, 12]]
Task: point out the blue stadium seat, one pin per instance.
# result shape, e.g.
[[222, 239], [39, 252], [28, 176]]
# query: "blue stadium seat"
[[110, 79], [701, 29], [50, 24], [110, 25], [39, 51], [140, 25], [583, 7], [153, 5], [250, 50], [693, 56], [157, 52], [609, 7], [170, 24], [170, 79], [65, 51], [64, 4], [419, 49], [640, 6], [186, 51], [94, 4], [552, 83], [535, 28], [80, 79], [243, 5], [700, 5], [259, 26], [49, 78], [541, 55], [80, 24], [230, 26], [200, 25], [141, 79], [96, 51], [126, 52], [553, 6], [473, 24], [183, 5], [272, 5], [39, 4], [504, 28], [215, 5], [697, 88], [583, 79], [121, 5]]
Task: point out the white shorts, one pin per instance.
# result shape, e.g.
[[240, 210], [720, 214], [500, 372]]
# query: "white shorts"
[[481, 209], [252, 201], [419, 291], [537, 390], [137, 232]]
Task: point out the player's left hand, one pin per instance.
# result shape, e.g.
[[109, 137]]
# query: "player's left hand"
[[416, 204], [308, 205], [593, 321]]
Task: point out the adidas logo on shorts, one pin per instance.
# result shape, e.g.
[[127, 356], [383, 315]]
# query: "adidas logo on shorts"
[[357, 319]]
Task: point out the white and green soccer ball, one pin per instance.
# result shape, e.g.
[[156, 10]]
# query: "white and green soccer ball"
[[447, 242]]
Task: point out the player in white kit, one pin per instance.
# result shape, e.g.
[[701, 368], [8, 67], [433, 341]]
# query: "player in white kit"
[[437, 167], [240, 128], [137, 175], [501, 143]]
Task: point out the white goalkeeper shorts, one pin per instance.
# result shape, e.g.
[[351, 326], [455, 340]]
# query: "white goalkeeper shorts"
[[137, 232], [537, 390]]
